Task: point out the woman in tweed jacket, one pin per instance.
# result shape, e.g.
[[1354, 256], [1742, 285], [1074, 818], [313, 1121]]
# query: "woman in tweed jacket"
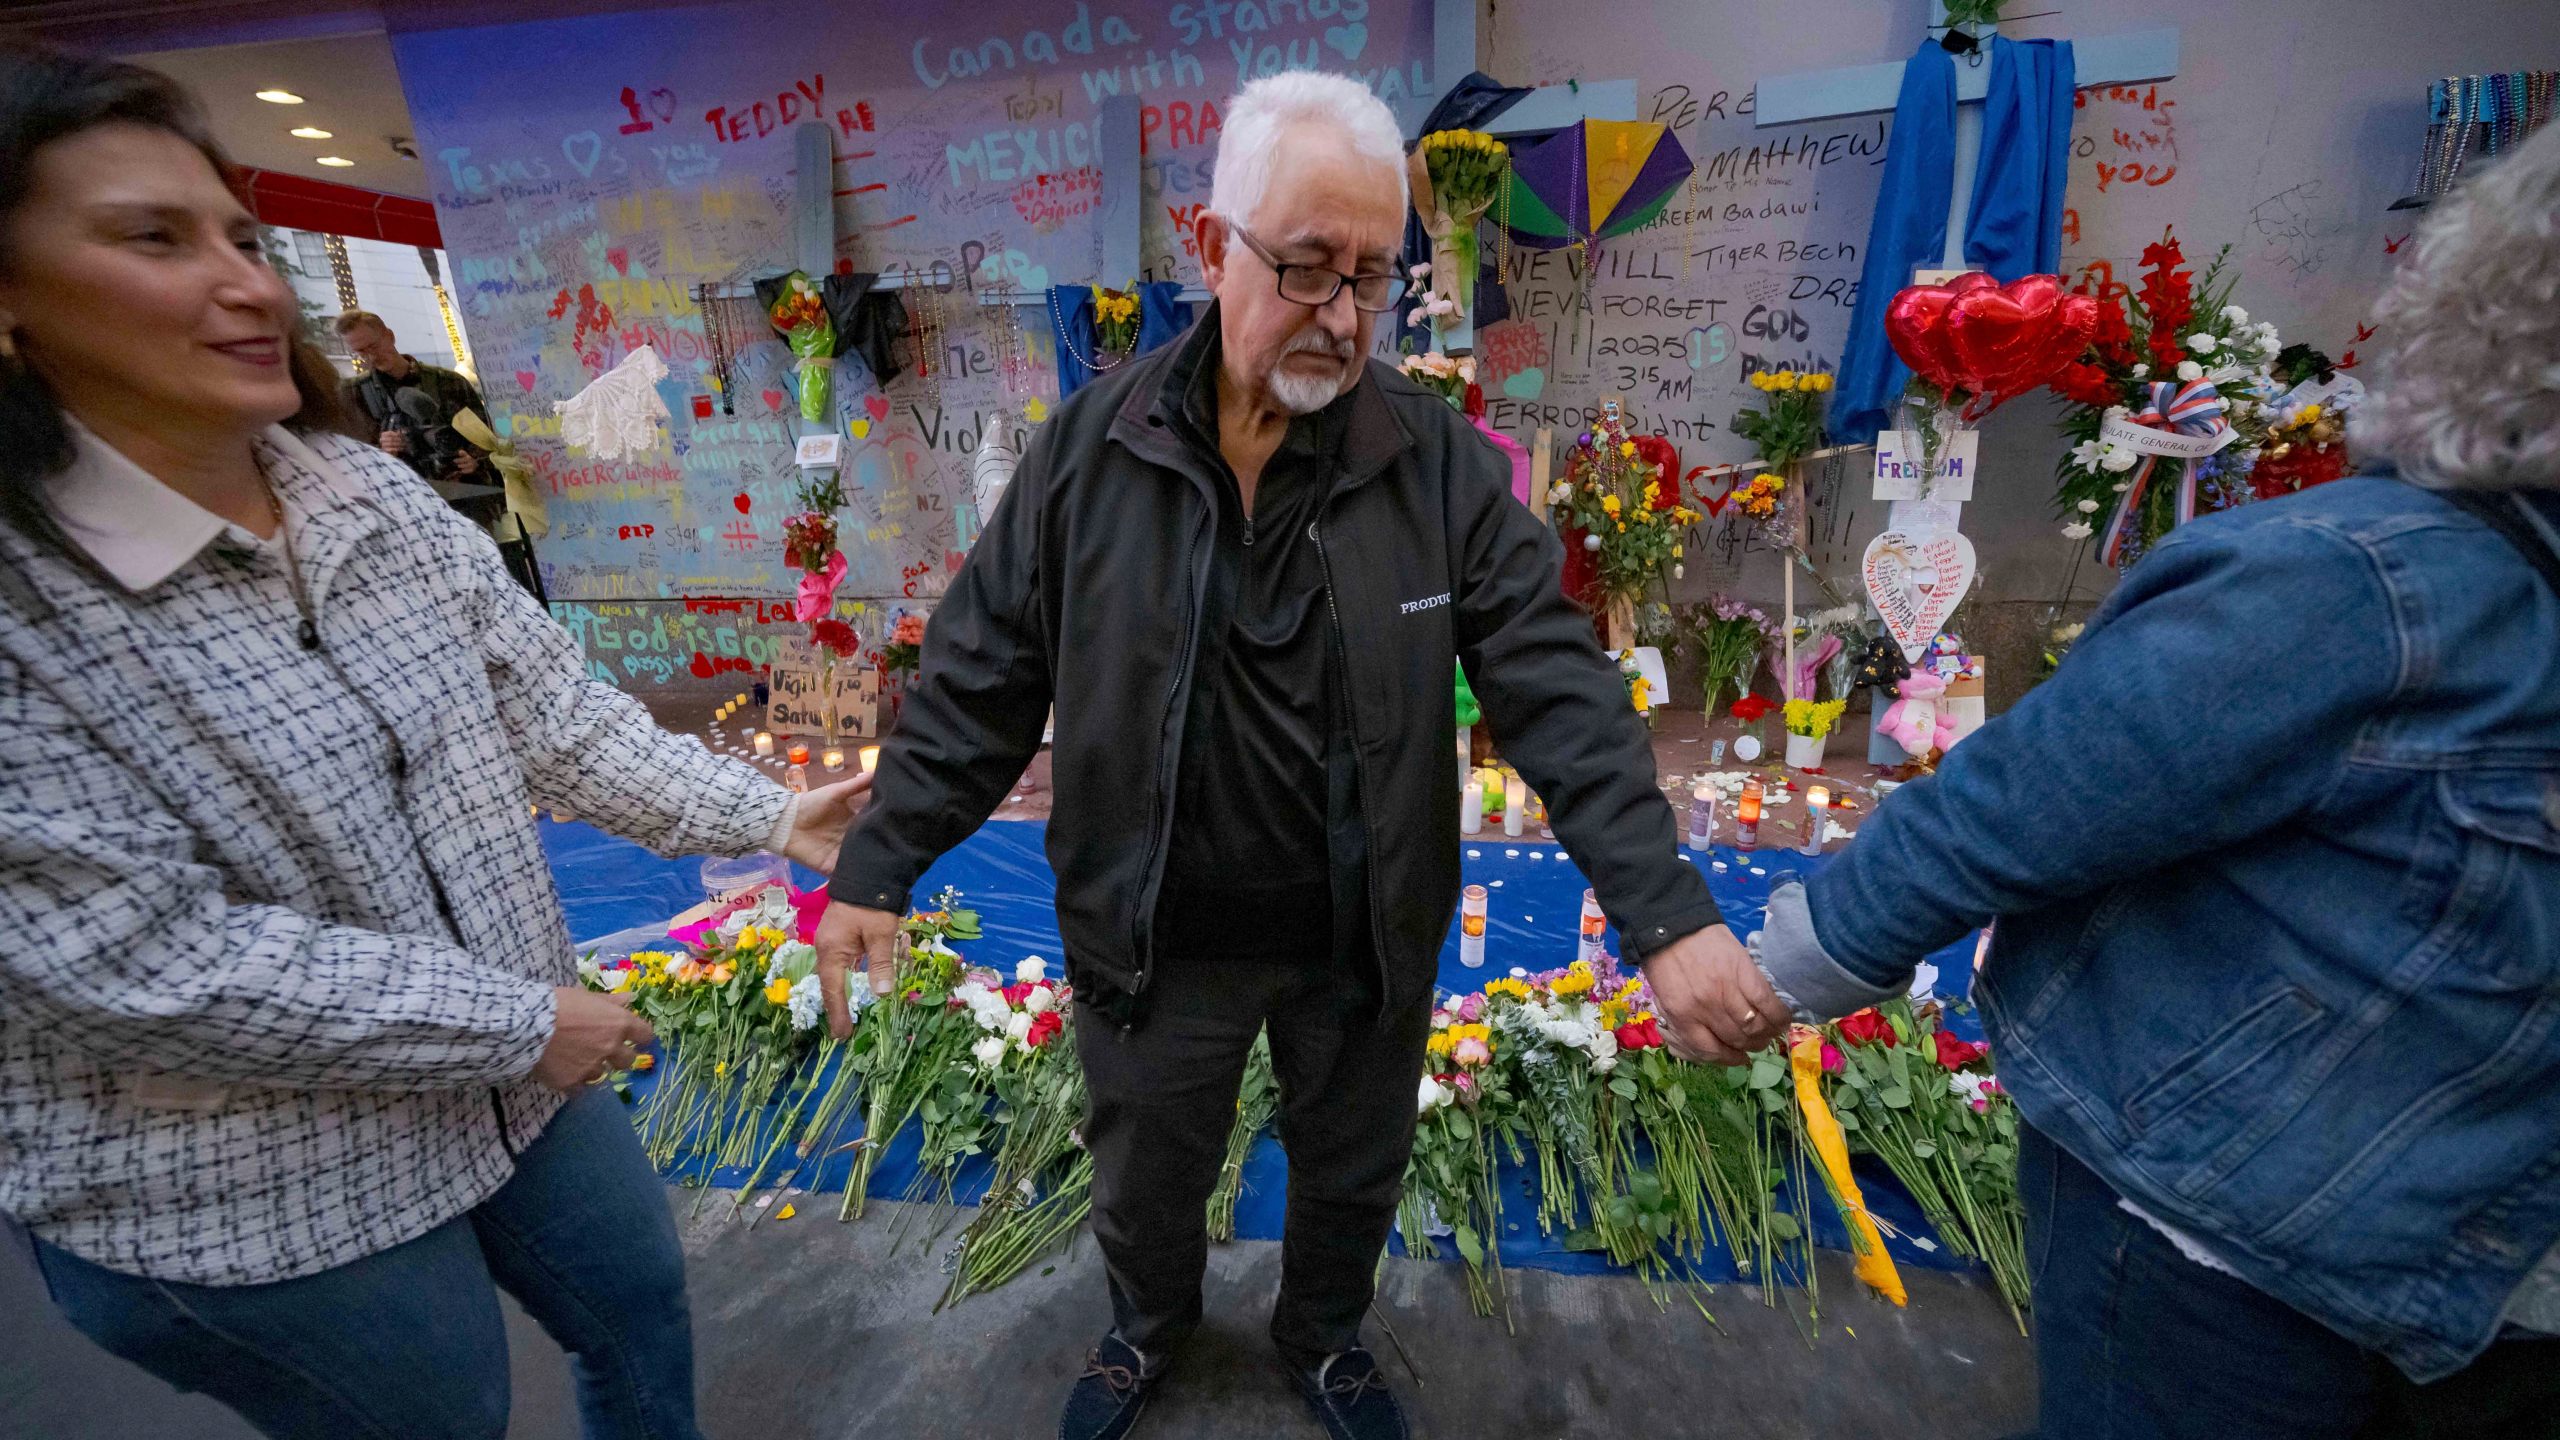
[[292, 1056]]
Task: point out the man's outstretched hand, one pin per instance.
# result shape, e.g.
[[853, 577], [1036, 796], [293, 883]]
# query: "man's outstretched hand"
[[1712, 1000], [849, 935]]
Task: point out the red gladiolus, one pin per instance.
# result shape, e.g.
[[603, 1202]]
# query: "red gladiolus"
[[1955, 1054], [1044, 1028], [1751, 708], [1867, 1027]]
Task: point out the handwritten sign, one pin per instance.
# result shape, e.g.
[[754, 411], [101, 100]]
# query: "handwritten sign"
[[812, 701], [1916, 582], [1903, 471]]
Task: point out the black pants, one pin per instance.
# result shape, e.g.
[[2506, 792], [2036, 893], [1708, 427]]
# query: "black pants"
[[2135, 1339], [1163, 1097]]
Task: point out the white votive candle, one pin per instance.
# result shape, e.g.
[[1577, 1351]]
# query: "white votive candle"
[[764, 743], [1817, 818], [1515, 805], [1471, 809], [870, 759], [832, 757]]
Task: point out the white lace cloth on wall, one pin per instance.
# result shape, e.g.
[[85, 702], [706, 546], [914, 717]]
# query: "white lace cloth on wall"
[[619, 415]]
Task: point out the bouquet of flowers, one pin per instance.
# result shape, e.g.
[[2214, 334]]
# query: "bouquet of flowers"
[[1442, 375], [914, 1039], [1628, 512], [1924, 1101], [1042, 1187], [1813, 719], [809, 541], [2174, 376], [1256, 1102], [738, 1008], [1790, 426], [800, 314], [1461, 174], [905, 650], [1449, 1186], [1727, 639], [1115, 320]]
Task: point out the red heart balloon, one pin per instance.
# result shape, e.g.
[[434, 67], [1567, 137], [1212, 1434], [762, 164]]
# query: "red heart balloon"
[[2008, 339], [1915, 323]]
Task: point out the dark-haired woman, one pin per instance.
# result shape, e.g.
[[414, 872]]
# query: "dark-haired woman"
[[293, 1064]]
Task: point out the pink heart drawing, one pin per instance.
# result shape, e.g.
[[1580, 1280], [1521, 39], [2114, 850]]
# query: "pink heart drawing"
[[620, 259], [662, 102], [773, 399], [525, 379], [1916, 581], [878, 405]]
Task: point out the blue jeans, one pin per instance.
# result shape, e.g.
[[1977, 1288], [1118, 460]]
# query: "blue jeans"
[[410, 1342], [2133, 1339]]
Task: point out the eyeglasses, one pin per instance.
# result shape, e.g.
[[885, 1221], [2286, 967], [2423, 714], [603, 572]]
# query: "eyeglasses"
[[1316, 285]]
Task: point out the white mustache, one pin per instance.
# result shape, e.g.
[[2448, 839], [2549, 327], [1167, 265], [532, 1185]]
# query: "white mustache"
[[1317, 342]]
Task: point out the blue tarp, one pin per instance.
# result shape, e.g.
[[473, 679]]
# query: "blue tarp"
[[1534, 907]]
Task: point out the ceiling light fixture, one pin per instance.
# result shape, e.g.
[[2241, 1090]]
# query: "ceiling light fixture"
[[338, 161], [308, 132], [279, 97]]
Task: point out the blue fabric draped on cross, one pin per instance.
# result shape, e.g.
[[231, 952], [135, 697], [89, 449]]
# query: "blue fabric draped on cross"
[[1161, 317], [2013, 229]]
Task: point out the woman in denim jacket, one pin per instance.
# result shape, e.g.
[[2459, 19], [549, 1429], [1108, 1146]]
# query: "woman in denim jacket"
[[2275, 858]]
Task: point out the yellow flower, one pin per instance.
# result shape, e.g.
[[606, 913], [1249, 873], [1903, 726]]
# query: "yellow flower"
[[1783, 380], [1440, 1044], [1516, 989], [1613, 1013], [1819, 380], [1609, 503], [1577, 980], [1627, 448], [1677, 553], [644, 1061], [778, 993]]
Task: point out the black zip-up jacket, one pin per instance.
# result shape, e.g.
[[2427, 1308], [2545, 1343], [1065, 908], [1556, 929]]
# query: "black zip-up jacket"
[[1086, 591]]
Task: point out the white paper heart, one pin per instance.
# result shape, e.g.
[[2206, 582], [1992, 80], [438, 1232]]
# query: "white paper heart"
[[1916, 581]]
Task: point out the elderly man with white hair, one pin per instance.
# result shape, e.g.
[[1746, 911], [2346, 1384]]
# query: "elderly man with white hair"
[[1240, 567]]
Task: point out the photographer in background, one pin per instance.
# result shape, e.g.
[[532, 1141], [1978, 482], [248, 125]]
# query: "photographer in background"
[[412, 405]]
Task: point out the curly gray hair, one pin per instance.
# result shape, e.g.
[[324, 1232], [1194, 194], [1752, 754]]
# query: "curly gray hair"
[[2469, 395]]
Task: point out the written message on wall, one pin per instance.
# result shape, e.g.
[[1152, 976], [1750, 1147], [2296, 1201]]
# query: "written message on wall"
[[589, 174]]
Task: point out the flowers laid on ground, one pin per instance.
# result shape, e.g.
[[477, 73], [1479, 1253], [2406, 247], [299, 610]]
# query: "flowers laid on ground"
[[1115, 320], [1441, 374], [1924, 1100], [1651, 1160], [1628, 511], [1813, 718], [2170, 404]]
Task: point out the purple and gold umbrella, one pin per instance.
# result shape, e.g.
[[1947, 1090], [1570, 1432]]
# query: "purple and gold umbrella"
[[1592, 180]]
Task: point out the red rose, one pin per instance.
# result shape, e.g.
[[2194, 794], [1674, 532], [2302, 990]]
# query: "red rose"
[[1044, 1028], [1639, 1035], [1750, 708], [1014, 995], [1868, 1027], [1833, 1062], [1955, 1054], [837, 636]]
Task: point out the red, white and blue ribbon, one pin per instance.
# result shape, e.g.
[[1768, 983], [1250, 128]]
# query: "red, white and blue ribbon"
[[2182, 421]]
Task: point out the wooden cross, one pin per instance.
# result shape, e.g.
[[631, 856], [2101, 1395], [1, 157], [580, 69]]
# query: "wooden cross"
[[1810, 95]]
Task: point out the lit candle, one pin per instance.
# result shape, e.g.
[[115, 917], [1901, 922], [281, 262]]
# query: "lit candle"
[[1515, 805], [870, 759], [1594, 925], [1471, 928], [1817, 818], [1746, 816], [797, 777], [1471, 809], [1702, 815], [764, 742], [832, 757]]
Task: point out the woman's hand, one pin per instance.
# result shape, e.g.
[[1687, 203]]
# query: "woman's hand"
[[592, 1035], [819, 827]]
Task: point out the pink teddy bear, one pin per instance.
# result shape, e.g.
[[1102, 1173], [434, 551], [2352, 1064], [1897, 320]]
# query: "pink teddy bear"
[[1916, 722]]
